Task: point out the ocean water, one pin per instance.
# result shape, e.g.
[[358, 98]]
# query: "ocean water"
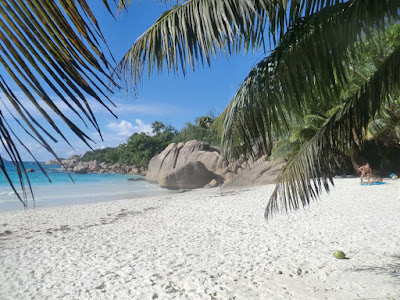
[[62, 191]]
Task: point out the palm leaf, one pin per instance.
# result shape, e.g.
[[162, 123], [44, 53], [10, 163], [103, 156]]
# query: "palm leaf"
[[309, 172], [194, 31], [383, 127], [46, 48], [191, 32], [281, 85]]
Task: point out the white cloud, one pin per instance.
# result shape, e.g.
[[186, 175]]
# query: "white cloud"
[[126, 129], [142, 127], [149, 109], [117, 131]]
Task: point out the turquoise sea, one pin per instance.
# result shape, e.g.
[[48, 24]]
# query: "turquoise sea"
[[62, 191]]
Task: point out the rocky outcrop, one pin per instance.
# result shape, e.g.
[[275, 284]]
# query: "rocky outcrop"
[[53, 162], [258, 173], [168, 168], [178, 155], [192, 175], [213, 183], [79, 167]]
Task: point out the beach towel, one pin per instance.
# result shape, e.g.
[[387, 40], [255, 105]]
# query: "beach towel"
[[373, 183]]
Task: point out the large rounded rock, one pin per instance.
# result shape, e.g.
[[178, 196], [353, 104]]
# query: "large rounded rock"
[[212, 184], [162, 163], [178, 155], [200, 151], [237, 174], [92, 166], [192, 175], [134, 171], [261, 172], [53, 162], [80, 169], [104, 165]]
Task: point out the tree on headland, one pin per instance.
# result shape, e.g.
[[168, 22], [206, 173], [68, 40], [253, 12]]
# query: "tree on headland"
[[138, 149], [205, 122], [201, 130], [141, 147], [158, 127], [315, 45]]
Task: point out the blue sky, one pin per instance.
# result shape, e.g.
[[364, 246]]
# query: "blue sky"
[[170, 98]]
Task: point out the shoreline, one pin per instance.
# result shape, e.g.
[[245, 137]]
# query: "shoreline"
[[207, 244], [84, 190]]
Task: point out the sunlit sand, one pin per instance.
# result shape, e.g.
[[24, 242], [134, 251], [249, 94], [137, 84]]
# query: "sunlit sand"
[[207, 244]]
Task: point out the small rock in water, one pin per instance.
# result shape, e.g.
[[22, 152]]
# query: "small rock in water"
[[136, 179]]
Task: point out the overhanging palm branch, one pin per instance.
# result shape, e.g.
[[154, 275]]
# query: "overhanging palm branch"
[[307, 173], [50, 49], [300, 132], [386, 126], [193, 31], [306, 125], [190, 32], [282, 84]]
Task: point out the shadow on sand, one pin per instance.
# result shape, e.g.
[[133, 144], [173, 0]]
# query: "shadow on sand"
[[392, 270]]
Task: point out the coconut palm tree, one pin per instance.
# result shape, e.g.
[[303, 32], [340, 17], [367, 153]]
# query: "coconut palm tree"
[[382, 129], [60, 42], [52, 53], [314, 45], [205, 122]]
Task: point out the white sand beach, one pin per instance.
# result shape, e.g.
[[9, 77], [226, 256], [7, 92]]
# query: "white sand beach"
[[207, 244]]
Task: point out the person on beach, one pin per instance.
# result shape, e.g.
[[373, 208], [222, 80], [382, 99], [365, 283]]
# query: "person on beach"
[[377, 179], [365, 171]]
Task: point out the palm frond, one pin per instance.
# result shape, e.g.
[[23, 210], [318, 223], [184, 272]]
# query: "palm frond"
[[309, 172], [309, 64], [123, 4], [377, 127], [383, 127], [192, 32], [51, 48]]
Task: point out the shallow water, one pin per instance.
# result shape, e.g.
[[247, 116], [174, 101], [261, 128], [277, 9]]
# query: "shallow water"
[[63, 191]]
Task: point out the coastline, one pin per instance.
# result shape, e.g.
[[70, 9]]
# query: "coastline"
[[207, 244], [87, 188]]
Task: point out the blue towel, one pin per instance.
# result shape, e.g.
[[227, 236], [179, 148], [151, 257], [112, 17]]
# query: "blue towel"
[[373, 183]]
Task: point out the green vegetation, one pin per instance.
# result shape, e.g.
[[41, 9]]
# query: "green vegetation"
[[317, 47], [140, 147], [383, 130], [201, 130], [57, 48], [305, 82]]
